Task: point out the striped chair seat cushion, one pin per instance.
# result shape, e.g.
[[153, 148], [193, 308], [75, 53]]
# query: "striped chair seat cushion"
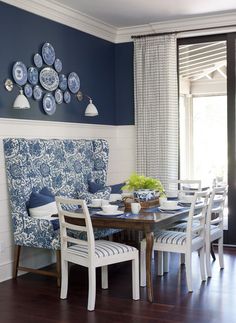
[[103, 248], [172, 237], [181, 227]]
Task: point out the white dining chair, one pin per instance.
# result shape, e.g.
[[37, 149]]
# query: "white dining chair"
[[214, 225], [183, 242], [90, 253], [177, 188]]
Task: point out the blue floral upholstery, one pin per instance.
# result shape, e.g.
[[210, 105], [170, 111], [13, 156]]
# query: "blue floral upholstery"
[[64, 167]]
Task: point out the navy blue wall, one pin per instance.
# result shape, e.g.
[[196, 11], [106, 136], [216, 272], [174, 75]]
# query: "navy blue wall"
[[105, 69], [124, 84]]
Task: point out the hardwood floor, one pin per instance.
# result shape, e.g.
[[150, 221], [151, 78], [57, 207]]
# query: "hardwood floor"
[[34, 298]]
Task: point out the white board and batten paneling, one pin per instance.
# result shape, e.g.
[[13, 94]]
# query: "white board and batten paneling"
[[121, 141]]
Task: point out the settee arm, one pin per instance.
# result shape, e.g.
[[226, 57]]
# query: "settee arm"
[[32, 232]]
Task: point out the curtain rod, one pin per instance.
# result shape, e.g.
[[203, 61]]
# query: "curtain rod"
[[180, 31]]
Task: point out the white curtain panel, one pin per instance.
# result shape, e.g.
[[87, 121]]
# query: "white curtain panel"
[[156, 106]]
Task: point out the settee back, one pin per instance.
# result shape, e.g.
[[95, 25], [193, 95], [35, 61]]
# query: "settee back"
[[63, 166]]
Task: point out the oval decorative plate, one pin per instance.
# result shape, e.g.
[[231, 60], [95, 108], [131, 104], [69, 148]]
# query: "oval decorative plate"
[[67, 97], [49, 104], [48, 53], [37, 93], [73, 82], [49, 79], [19, 73], [62, 82], [38, 61], [28, 90], [33, 75], [58, 96], [58, 65]]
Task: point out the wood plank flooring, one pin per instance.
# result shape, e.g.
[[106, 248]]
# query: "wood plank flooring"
[[34, 298]]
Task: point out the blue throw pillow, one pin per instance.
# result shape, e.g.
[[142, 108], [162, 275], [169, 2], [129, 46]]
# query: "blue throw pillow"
[[116, 189], [42, 205], [94, 187]]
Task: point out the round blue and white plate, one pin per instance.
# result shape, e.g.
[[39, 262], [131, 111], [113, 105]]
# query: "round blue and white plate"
[[28, 90], [48, 53], [19, 73], [58, 96], [62, 82], [67, 97], [38, 61], [49, 78], [49, 104], [33, 75], [58, 65], [73, 82], [37, 93]]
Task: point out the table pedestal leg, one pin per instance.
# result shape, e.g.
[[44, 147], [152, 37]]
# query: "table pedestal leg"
[[149, 246]]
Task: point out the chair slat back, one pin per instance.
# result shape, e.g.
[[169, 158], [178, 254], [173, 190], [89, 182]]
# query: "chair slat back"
[[197, 212], [65, 216], [185, 185], [216, 207]]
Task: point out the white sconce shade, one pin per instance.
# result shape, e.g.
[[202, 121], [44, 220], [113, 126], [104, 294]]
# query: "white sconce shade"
[[91, 110], [21, 102]]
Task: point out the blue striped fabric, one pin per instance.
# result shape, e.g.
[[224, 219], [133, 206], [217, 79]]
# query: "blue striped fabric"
[[103, 248], [171, 237]]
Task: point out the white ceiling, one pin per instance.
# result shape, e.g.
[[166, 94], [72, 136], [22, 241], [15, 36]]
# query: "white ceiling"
[[127, 13]]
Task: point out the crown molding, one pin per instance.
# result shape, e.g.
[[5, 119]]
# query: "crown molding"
[[63, 14], [182, 25]]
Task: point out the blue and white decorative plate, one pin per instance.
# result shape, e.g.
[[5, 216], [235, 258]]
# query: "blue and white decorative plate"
[[37, 93], [58, 96], [49, 104], [28, 90], [62, 82], [67, 97], [19, 73], [58, 65], [49, 79], [48, 53], [38, 61], [73, 82], [33, 75]]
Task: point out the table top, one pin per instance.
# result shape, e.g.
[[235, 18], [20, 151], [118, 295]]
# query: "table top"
[[146, 218]]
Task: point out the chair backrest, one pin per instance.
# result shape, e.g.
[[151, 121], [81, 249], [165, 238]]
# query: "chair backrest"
[[216, 207], [68, 211], [185, 186], [197, 215]]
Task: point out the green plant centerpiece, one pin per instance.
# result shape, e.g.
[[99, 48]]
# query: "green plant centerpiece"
[[144, 188]]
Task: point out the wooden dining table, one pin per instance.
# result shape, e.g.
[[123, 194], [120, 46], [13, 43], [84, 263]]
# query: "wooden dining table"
[[146, 221]]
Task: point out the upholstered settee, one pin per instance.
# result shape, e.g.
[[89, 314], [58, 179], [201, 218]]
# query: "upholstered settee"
[[64, 167]]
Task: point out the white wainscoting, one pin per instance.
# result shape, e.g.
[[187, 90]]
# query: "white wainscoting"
[[121, 141]]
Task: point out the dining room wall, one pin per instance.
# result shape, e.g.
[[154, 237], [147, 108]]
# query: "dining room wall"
[[104, 68]]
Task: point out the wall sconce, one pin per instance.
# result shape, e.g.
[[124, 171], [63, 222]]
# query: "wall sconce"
[[91, 110], [21, 101]]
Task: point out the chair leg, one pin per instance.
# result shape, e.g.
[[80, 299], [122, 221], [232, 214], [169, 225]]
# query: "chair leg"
[[212, 252], [64, 279], [166, 262], [16, 260], [220, 252], [208, 262], [104, 272], [143, 263], [188, 267], [135, 278], [58, 265], [202, 263], [160, 263], [92, 288]]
